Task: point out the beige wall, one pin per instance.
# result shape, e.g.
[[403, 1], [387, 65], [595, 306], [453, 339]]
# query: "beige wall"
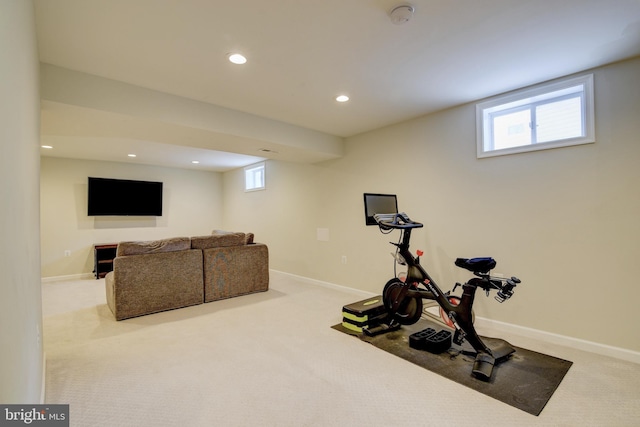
[[191, 206], [564, 220], [21, 354]]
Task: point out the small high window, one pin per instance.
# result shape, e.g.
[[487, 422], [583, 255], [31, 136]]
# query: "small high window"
[[254, 177], [547, 116]]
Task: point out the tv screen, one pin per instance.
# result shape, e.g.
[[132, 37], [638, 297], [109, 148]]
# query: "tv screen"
[[122, 197], [378, 204]]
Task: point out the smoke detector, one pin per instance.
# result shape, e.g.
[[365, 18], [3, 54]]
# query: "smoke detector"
[[401, 14]]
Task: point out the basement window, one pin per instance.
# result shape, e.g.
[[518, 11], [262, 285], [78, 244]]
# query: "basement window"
[[547, 116], [254, 177]]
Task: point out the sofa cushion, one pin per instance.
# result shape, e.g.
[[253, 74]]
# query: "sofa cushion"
[[234, 271], [153, 246], [218, 239]]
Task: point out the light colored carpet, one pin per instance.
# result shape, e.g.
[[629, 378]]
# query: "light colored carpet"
[[272, 359]]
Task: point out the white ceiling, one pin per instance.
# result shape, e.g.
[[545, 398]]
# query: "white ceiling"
[[303, 53]]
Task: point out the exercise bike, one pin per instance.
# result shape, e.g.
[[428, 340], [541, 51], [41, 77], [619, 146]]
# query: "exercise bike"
[[403, 299]]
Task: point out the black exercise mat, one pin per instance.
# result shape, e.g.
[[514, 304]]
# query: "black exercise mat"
[[527, 380]]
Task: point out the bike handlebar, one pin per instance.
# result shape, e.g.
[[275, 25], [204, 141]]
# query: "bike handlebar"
[[505, 287], [396, 220]]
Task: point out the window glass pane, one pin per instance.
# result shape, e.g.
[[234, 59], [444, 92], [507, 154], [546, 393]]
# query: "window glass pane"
[[257, 178], [558, 114], [254, 177], [512, 130], [559, 120]]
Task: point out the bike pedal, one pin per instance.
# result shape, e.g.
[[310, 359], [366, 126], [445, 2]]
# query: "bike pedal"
[[458, 337], [382, 328]]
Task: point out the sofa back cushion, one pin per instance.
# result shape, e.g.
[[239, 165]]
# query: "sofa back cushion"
[[218, 239], [153, 246]]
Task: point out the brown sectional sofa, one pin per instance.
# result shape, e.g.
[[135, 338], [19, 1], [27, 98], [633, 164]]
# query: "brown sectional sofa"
[[154, 276]]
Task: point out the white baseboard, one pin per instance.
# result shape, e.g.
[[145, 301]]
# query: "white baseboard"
[[563, 340], [80, 276], [549, 337], [359, 292]]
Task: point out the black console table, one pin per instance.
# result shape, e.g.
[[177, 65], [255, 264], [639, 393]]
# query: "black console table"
[[103, 255]]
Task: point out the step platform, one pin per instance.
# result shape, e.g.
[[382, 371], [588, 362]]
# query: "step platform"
[[367, 313]]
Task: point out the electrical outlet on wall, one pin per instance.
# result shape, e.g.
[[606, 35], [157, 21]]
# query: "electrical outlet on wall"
[[67, 253]]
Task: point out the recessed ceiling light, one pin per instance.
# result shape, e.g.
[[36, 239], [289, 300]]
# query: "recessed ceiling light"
[[131, 155], [195, 162], [49, 147], [342, 98], [237, 58]]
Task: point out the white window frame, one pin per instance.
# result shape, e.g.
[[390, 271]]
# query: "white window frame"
[[255, 177], [528, 99]]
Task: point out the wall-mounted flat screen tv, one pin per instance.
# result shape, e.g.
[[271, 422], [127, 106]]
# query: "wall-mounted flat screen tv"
[[378, 204], [123, 197]]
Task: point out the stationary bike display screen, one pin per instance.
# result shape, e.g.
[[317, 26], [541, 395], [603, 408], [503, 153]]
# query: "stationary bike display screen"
[[379, 204]]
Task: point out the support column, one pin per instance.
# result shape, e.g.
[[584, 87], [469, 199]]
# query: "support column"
[[21, 352]]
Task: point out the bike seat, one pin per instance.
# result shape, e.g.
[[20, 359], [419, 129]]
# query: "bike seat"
[[476, 265]]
